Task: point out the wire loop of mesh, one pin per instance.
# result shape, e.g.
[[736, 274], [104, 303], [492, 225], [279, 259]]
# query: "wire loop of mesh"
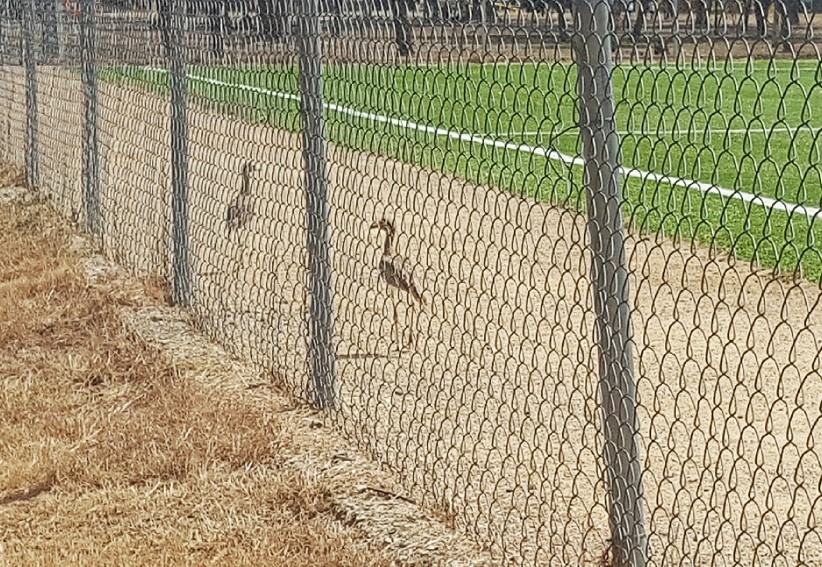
[[556, 263]]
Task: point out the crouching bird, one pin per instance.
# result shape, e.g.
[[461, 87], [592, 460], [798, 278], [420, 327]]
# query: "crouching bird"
[[240, 211]]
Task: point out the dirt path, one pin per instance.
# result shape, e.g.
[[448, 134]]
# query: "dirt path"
[[494, 414]]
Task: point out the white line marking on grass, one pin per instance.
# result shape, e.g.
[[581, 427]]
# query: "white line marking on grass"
[[737, 65], [240, 86], [697, 132], [706, 188]]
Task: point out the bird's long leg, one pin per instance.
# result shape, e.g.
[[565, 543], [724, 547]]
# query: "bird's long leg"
[[234, 278], [241, 248], [412, 321], [391, 334], [397, 331]]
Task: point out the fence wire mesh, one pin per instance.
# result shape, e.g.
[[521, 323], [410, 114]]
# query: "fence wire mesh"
[[413, 212]]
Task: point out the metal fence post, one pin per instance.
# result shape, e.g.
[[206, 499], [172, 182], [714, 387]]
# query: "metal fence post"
[[60, 31], [609, 276], [321, 356], [181, 284], [32, 123], [88, 59], [402, 27], [49, 33]]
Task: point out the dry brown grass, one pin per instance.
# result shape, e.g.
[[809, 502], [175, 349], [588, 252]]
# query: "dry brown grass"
[[111, 455], [12, 176]]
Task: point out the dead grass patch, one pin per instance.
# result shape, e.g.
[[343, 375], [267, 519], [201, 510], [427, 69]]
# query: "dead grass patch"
[[109, 454], [12, 176]]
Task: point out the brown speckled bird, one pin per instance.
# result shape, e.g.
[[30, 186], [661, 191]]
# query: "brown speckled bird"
[[240, 211], [396, 270]]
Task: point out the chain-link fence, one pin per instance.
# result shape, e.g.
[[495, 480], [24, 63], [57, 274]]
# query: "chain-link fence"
[[554, 262]]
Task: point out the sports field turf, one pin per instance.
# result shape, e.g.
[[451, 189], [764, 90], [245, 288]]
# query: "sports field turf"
[[746, 130]]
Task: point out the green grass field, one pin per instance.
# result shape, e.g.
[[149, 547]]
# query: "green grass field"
[[753, 129]]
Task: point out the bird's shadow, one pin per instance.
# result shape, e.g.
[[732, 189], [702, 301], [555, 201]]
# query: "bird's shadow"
[[360, 356]]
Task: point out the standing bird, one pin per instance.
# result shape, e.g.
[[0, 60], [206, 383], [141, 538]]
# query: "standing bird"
[[240, 211], [396, 270]]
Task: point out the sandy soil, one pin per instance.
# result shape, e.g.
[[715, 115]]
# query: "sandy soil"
[[494, 414]]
